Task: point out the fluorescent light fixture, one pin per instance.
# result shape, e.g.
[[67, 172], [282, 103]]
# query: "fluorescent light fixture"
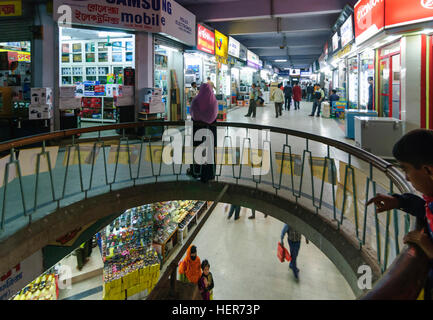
[[104, 34], [286, 68], [392, 38], [64, 38], [280, 60]]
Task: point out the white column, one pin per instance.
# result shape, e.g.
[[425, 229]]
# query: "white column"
[[45, 59], [143, 65], [411, 81]]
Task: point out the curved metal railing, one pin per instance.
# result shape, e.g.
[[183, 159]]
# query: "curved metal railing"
[[40, 174]]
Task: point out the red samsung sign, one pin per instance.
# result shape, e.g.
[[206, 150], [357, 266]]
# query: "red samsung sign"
[[205, 40], [369, 18], [400, 12]]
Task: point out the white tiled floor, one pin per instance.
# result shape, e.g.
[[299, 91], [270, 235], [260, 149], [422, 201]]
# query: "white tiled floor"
[[242, 253]]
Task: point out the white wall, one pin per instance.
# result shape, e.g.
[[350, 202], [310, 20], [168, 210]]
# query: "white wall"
[[143, 65], [411, 81]]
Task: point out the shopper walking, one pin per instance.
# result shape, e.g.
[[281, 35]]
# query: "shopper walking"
[[253, 214], [297, 95], [370, 93], [206, 283], [190, 266], [234, 209], [253, 101], [212, 85], [288, 96], [318, 97], [310, 90], [204, 111], [278, 98], [294, 240]]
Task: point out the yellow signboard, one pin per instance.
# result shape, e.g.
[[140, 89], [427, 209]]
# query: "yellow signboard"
[[221, 45], [22, 55], [10, 8]]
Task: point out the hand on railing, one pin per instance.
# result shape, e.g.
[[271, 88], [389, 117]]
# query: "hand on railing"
[[384, 202], [422, 239]]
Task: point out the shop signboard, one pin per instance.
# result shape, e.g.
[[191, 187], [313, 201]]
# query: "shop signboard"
[[243, 52], [205, 40], [10, 8], [369, 16], [398, 13], [234, 47], [261, 64], [335, 42], [21, 275], [306, 73], [221, 45], [346, 32], [253, 60], [158, 16]]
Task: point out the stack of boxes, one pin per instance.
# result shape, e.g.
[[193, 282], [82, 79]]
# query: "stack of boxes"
[[222, 110], [91, 107], [133, 285], [41, 107], [338, 109]]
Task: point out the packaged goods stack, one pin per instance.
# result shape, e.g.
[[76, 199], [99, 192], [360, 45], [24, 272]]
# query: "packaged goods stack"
[[45, 287], [338, 109], [41, 107], [126, 247], [326, 110], [222, 108]]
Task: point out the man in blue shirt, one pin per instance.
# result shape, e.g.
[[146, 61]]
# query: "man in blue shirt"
[[294, 240]]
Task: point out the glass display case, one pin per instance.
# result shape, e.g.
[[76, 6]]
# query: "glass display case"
[[366, 71]]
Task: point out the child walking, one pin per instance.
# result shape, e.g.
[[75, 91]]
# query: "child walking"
[[206, 284]]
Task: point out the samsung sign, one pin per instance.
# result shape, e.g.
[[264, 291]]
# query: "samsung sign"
[[156, 16], [234, 47]]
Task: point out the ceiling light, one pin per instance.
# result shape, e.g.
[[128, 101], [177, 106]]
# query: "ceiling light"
[[281, 60]]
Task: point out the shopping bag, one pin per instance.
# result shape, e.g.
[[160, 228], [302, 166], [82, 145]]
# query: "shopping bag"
[[283, 253]]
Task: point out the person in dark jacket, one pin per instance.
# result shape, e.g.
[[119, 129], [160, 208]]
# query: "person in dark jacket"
[[287, 96], [234, 209], [310, 90], [370, 93], [294, 240], [414, 153]]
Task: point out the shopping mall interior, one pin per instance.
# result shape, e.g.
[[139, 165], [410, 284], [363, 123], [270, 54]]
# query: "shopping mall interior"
[[141, 139]]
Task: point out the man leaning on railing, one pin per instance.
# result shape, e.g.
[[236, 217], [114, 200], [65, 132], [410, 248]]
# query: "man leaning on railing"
[[415, 156]]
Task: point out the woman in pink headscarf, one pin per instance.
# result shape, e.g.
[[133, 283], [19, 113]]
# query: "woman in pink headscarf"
[[204, 111]]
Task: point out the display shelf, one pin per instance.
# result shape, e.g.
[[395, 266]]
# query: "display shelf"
[[98, 120]]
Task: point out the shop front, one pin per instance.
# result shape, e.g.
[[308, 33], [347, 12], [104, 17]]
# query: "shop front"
[[104, 79], [201, 63]]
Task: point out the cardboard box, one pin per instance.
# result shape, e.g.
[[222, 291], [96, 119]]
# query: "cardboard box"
[[41, 112], [41, 96], [67, 91]]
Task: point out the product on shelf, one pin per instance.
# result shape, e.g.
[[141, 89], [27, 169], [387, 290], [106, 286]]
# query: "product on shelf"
[[45, 287]]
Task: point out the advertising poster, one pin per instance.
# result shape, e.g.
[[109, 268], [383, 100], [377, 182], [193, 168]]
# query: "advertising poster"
[[253, 60], [221, 45], [234, 47], [243, 52], [346, 32], [205, 40], [21, 275], [10, 8], [166, 17], [398, 12], [369, 18], [28, 160], [335, 42]]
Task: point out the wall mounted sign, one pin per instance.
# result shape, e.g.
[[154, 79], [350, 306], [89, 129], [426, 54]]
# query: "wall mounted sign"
[[10, 8], [221, 45], [398, 12], [205, 40], [159, 16], [234, 47], [253, 60], [243, 51], [369, 16], [346, 32], [335, 42]]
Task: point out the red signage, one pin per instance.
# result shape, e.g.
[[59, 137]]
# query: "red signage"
[[401, 12], [369, 18], [205, 40]]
